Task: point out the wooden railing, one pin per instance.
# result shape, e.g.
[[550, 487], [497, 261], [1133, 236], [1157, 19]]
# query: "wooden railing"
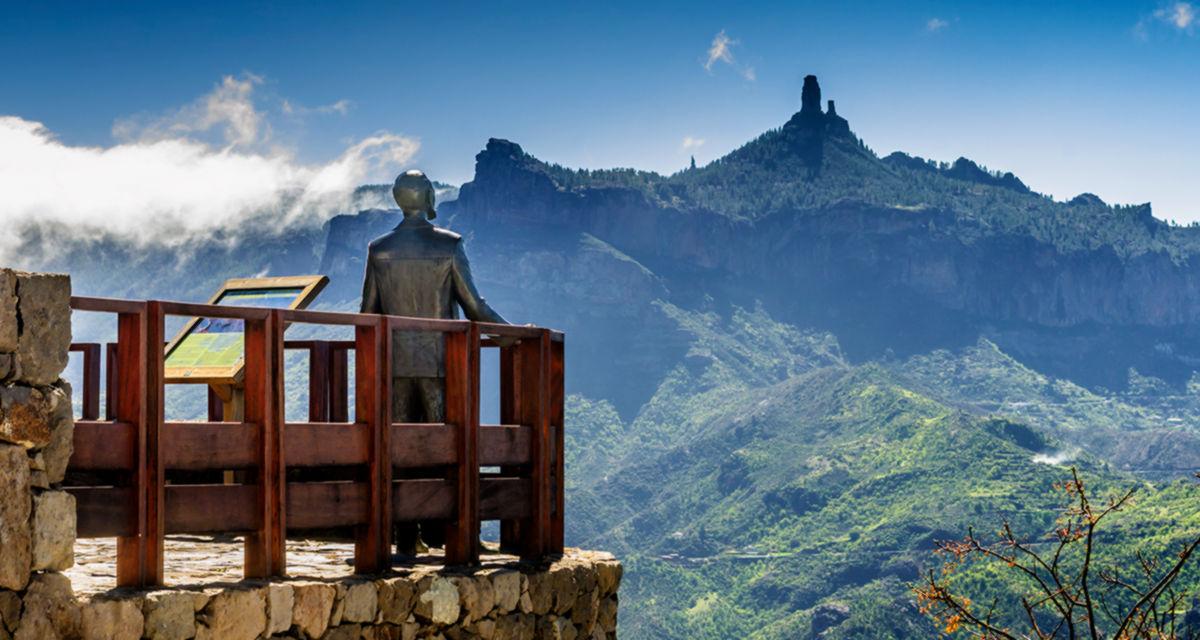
[[399, 472]]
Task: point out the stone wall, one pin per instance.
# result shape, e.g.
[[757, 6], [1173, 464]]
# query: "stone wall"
[[572, 598], [37, 520]]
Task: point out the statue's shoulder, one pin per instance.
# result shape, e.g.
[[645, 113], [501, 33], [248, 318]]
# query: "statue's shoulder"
[[447, 234]]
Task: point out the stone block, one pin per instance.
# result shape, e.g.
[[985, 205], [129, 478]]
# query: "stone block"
[[585, 610], [360, 602], [344, 632], [26, 415], [396, 600], [608, 575], [606, 614], [50, 609], [541, 592], [476, 597], [506, 588], [235, 614], [555, 628], [53, 527], [281, 599], [111, 619], [170, 615], [9, 324], [44, 321], [339, 604], [10, 609], [15, 509], [58, 452], [437, 600], [312, 608], [515, 626], [564, 587]]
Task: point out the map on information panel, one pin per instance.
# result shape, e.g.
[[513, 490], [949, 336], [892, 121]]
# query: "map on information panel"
[[212, 349]]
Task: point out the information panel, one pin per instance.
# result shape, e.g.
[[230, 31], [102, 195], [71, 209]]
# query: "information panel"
[[211, 350]]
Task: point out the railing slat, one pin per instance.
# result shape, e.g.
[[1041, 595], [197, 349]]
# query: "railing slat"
[[504, 498], [104, 446], [212, 508], [423, 500], [325, 505], [504, 445], [210, 445], [105, 512], [322, 444], [424, 445]]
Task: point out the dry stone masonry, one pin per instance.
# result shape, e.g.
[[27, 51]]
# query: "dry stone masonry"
[[571, 598]]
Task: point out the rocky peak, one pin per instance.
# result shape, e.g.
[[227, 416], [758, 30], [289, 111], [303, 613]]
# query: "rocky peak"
[[811, 118], [810, 97]]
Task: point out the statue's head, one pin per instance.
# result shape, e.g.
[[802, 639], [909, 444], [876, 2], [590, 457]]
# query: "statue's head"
[[414, 193]]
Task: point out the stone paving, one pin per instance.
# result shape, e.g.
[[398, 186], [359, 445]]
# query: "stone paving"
[[201, 561]]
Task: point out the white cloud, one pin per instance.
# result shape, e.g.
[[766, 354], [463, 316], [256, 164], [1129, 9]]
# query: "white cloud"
[[229, 107], [161, 183], [721, 50], [341, 107], [1181, 15], [936, 24], [690, 142]]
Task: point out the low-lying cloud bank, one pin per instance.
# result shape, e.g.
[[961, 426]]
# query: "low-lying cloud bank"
[[165, 183]]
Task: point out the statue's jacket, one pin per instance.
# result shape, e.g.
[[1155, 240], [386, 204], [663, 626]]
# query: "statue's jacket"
[[422, 271]]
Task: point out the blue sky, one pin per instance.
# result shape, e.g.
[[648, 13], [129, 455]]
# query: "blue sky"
[[1086, 96]]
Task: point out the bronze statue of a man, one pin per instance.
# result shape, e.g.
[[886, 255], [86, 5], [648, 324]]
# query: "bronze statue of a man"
[[422, 271]]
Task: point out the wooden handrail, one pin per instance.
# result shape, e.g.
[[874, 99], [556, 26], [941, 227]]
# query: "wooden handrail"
[[411, 472]]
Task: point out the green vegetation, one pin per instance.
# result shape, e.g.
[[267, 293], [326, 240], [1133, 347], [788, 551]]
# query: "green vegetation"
[[770, 490]]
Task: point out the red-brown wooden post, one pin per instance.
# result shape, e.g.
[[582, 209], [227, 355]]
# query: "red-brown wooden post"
[[462, 411], [318, 381], [91, 379], [557, 416], [265, 549], [510, 384], [110, 379], [372, 409], [216, 406], [155, 472], [535, 405], [130, 392], [339, 378]]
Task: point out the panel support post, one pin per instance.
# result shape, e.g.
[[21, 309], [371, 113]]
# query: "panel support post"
[[462, 411], [265, 552], [372, 408]]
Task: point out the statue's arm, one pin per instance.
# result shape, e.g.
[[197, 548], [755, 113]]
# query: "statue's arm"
[[370, 295], [473, 304]]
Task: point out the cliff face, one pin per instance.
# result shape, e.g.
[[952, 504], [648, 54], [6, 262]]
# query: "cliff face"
[[895, 254]]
